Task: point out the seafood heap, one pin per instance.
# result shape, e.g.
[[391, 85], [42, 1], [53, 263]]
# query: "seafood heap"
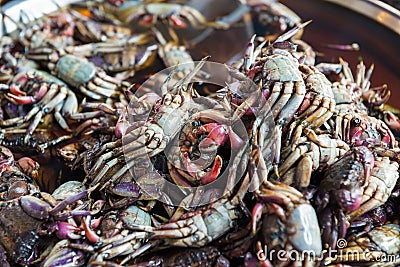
[[291, 161]]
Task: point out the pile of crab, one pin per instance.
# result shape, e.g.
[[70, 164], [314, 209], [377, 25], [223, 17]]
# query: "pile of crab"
[[285, 163]]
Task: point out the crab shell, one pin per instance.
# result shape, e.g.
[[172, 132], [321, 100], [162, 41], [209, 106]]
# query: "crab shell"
[[18, 231], [302, 230]]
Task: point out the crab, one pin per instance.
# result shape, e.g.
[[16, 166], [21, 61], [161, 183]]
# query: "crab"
[[352, 122], [318, 107], [58, 28], [78, 72], [379, 186], [297, 166], [378, 248], [298, 96], [366, 184], [176, 15], [150, 137], [116, 239], [342, 195], [45, 94], [199, 228], [289, 214], [282, 80], [172, 54], [24, 220]]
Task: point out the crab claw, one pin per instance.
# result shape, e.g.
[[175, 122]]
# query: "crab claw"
[[349, 200], [94, 223], [29, 166], [35, 207], [25, 100], [146, 20], [23, 79], [256, 216], [16, 91], [178, 22], [218, 135], [356, 133], [210, 176], [67, 231], [367, 158], [90, 234], [377, 96], [392, 121]]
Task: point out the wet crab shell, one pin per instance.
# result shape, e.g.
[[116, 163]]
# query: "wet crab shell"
[[74, 70], [300, 231], [68, 189], [134, 215], [387, 237], [282, 68]]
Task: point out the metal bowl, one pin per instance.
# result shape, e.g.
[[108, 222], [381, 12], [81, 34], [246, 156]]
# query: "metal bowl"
[[374, 25]]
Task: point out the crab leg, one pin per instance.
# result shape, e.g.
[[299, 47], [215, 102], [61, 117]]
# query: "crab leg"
[[59, 118]]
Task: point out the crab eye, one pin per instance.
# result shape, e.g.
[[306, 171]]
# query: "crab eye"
[[357, 121], [195, 238], [196, 123], [265, 19], [237, 213]]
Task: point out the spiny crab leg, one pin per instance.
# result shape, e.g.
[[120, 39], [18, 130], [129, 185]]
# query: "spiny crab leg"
[[13, 121]]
